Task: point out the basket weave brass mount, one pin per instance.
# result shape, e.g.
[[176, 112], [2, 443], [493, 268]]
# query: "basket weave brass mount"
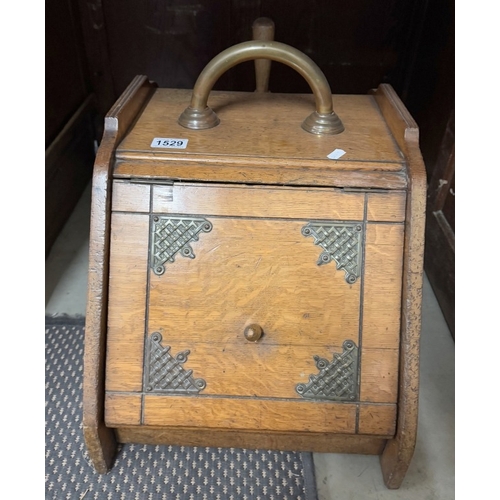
[[199, 116]]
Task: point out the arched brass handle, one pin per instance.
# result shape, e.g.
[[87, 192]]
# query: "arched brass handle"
[[253, 333], [322, 121]]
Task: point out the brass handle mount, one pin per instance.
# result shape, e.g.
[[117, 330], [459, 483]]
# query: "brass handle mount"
[[253, 333], [198, 115]]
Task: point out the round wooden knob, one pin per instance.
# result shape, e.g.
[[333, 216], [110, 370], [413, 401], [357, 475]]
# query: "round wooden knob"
[[253, 333]]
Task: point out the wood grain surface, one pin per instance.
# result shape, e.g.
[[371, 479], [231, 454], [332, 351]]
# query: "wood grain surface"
[[209, 170], [269, 440], [253, 414], [249, 201], [382, 286], [255, 266], [131, 197], [266, 128], [258, 201], [398, 453], [99, 439], [245, 270], [120, 407], [124, 410], [260, 141], [254, 271], [386, 206], [128, 268], [377, 419]]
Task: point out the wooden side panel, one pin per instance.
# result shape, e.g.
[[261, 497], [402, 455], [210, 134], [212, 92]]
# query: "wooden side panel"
[[99, 439], [127, 301], [225, 413], [399, 451]]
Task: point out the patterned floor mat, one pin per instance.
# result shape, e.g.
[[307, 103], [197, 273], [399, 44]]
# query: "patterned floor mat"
[[147, 472]]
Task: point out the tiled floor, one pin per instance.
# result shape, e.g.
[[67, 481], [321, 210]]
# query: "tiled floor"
[[339, 477]]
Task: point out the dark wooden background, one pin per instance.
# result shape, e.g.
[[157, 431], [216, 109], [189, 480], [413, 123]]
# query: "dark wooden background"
[[95, 47]]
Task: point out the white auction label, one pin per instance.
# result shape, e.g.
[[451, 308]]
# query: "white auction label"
[[169, 143], [336, 154]]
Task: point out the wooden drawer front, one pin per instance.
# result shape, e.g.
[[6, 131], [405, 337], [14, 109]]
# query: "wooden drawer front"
[[194, 266]]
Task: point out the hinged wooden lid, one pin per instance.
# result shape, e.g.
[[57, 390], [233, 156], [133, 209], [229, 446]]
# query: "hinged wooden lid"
[[260, 134]]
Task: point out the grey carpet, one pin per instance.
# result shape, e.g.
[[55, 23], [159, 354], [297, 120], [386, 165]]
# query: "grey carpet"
[[147, 472]]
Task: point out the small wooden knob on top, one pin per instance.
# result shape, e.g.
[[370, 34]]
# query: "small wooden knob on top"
[[263, 30], [253, 333]]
